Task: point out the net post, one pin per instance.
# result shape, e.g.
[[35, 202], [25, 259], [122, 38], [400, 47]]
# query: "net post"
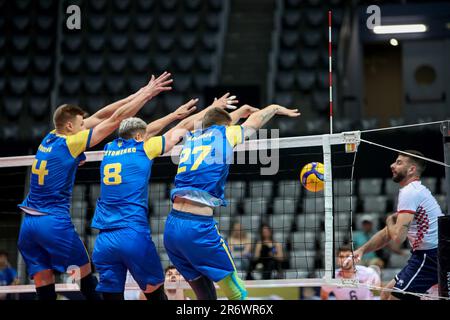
[[328, 197], [445, 129], [444, 223], [444, 255]]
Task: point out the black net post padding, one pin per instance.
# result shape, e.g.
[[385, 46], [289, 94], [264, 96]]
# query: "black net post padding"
[[445, 129], [444, 255]]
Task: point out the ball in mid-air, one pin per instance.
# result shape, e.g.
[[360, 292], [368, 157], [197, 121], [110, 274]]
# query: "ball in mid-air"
[[311, 176]]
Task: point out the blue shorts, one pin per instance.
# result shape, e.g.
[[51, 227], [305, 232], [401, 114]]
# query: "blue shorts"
[[195, 246], [419, 275], [50, 242], [119, 250]]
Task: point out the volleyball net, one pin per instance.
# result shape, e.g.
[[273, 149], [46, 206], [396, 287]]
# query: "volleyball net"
[[264, 188]]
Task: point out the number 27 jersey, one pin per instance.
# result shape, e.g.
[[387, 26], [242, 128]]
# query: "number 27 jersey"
[[204, 164]]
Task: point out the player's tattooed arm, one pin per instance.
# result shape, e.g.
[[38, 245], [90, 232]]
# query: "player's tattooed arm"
[[258, 119], [243, 112], [378, 241], [398, 226]]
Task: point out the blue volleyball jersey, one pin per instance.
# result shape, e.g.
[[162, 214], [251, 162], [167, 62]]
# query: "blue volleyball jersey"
[[204, 164], [53, 173], [125, 172]]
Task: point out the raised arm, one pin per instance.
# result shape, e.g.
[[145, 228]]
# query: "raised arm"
[[222, 102], [258, 119], [243, 112], [108, 111], [155, 127], [153, 88]]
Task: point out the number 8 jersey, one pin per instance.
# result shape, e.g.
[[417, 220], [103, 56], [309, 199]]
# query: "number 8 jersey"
[[204, 164], [53, 173], [124, 173]]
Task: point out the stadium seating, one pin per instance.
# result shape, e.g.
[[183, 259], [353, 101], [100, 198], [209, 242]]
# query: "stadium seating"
[[261, 188], [375, 204], [229, 210], [370, 186]]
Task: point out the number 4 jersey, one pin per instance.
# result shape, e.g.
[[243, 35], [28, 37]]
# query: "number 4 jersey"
[[124, 173], [204, 163], [53, 173]]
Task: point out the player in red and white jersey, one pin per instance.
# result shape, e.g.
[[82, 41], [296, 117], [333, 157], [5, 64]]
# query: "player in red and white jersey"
[[416, 219], [366, 276]]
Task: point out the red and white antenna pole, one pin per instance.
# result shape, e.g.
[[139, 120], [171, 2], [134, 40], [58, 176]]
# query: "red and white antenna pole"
[[330, 80]]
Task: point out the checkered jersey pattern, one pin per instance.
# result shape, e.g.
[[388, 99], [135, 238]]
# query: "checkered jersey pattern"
[[423, 225]]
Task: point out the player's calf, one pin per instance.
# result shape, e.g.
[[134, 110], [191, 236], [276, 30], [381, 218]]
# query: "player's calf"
[[45, 285], [233, 287], [87, 287], [155, 294], [203, 288]]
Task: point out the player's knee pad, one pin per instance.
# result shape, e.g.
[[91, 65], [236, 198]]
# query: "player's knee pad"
[[204, 288], [158, 294], [233, 287]]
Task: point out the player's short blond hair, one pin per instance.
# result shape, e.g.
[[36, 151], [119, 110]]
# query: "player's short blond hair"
[[130, 126]]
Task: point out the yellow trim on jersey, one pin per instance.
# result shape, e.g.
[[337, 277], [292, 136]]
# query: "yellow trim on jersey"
[[78, 143], [234, 135], [154, 147], [57, 134]]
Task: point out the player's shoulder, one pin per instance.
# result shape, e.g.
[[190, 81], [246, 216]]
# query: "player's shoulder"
[[412, 189]]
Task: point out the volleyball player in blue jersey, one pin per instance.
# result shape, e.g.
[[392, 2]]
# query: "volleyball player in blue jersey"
[[121, 214], [48, 241], [191, 237]]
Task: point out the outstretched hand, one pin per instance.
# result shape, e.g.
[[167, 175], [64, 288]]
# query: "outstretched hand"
[[186, 109], [225, 102], [158, 85]]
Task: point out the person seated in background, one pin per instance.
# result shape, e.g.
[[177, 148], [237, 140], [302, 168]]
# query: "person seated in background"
[[366, 276], [8, 275], [240, 246], [268, 254], [362, 236]]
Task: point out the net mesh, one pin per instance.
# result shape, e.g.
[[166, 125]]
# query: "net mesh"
[[294, 215]]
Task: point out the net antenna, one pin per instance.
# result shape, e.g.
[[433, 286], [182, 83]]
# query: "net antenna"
[[330, 71]]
